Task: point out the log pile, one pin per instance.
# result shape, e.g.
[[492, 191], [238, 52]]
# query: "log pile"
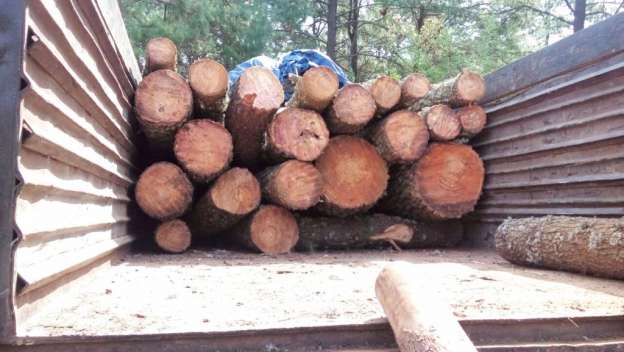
[[365, 165]]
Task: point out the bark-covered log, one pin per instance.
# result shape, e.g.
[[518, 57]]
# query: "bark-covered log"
[[271, 230], [465, 88], [295, 133], [375, 231], [315, 89], [413, 88], [293, 184], [386, 92], [160, 54], [173, 236], [203, 148], [163, 102], [350, 110], [355, 176], [255, 98], [472, 119], [230, 198], [209, 81], [163, 191], [401, 138], [593, 246], [442, 122], [444, 184]]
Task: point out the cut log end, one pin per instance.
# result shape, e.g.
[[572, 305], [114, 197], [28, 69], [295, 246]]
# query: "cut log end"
[[296, 133], [160, 54], [413, 88], [163, 191], [443, 123], [209, 81], [173, 236], [293, 184], [274, 230], [402, 137], [386, 92], [470, 87], [203, 148], [236, 192], [316, 89], [472, 119], [163, 100], [352, 108]]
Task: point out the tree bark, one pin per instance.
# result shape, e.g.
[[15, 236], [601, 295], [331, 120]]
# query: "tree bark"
[[444, 184], [386, 92], [204, 149], [352, 108], [293, 184], [173, 236], [413, 88], [375, 231], [472, 119], [465, 88], [353, 28], [160, 54], [591, 246], [315, 89], [332, 25], [209, 82], [442, 123], [401, 138], [580, 11], [163, 191]]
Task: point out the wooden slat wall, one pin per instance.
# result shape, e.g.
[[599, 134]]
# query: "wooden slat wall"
[[77, 156]]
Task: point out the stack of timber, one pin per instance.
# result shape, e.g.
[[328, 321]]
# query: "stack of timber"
[[369, 165]]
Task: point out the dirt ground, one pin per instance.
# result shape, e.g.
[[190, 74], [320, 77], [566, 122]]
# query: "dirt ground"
[[218, 290]]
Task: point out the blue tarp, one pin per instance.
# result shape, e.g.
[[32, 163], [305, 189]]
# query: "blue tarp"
[[263, 61]]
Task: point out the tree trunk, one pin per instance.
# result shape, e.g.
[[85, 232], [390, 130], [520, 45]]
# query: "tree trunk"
[[163, 102], [256, 97], [315, 89], [203, 148], [591, 246], [401, 138], [271, 229], [173, 236], [580, 11], [294, 184], [160, 54], [413, 88], [353, 27], [386, 92], [295, 134], [375, 231], [444, 184], [163, 191], [419, 319], [472, 119], [332, 25], [442, 122], [352, 108], [355, 176], [231, 197], [465, 88], [209, 81]]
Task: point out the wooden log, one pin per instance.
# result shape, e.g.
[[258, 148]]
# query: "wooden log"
[[593, 246], [160, 54], [375, 231], [231, 197], [293, 184], [401, 138], [352, 108], [386, 92], [209, 82], [163, 191], [315, 89], [420, 320], [465, 88], [256, 97], [203, 148], [163, 102], [444, 184], [173, 236], [355, 176], [472, 119], [271, 230], [442, 122], [413, 88], [295, 134]]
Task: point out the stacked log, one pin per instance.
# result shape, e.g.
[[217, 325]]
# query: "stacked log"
[[352, 108], [293, 184], [401, 137], [164, 191], [413, 88], [464, 89], [442, 122], [315, 89], [173, 236], [209, 82], [160, 54], [386, 92]]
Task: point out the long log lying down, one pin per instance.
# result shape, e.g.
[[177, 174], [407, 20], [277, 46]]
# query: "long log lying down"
[[465, 88], [350, 110], [163, 102], [163, 191], [355, 176], [413, 88], [315, 89], [442, 122], [255, 98], [160, 54], [420, 320], [401, 138], [203, 148], [472, 119], [375, 231], [295, 134], [293, 184], [233, 195], [173, 236], [593, 246], [271, 230], [209, 81], [386, 92], [444, 184]]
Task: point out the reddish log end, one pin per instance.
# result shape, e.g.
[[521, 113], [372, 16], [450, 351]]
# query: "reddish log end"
[[173, 236], [402, 137], [472, 119], [442, 122], [387, 93], [350, 110], [209, 81], [413, 88], [273, 230], [293, 184], [315, 89], [160, 54], [469, 88], [296, 134], [163, 191]]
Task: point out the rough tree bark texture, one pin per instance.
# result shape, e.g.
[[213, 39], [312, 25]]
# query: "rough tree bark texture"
[[173, 236], [209, 81], [400, 138], [163, 191], [472, 119], [442, 122], [375, 231], [350, 110], [386, 92], [293, 184], [591, 246], [444, 184], [413, 88], [160, 54], [463, 89], [315, 89]]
